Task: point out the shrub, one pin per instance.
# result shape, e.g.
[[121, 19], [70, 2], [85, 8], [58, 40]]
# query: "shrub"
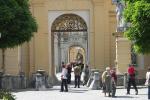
[[6, 95]]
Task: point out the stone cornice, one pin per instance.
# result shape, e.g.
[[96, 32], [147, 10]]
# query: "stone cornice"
[[118, 34], [112, 13], [37, 2], [98, 2]]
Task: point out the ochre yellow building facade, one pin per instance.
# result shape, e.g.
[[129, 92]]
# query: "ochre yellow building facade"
[[103, 47]]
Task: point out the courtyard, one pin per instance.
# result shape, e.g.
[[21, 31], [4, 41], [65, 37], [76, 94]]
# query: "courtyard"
[[82, 93]]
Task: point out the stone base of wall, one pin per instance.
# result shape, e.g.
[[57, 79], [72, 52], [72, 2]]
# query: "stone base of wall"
[[10, 82], [122, 81], [140, 81]]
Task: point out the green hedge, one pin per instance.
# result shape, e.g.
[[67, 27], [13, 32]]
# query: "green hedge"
[[6, 95]]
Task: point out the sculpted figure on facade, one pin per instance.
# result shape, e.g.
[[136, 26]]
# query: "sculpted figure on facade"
[[79, 57], [119, 14]]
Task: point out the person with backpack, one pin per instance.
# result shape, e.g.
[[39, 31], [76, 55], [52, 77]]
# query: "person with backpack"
[[131, 79], [147, 83]]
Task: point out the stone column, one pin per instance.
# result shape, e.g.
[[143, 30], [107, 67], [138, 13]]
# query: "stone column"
[[56, 56], [62, 54]]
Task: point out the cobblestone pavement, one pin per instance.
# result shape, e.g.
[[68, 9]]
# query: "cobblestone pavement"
[[82, 93]]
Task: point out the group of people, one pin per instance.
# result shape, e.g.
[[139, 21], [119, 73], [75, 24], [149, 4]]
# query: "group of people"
[[109, 80], [78, 68]]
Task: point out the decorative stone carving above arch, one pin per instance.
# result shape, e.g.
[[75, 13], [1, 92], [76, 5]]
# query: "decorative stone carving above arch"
[[69, 23]]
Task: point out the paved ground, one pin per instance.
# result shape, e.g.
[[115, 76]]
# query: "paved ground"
[[82, 93]]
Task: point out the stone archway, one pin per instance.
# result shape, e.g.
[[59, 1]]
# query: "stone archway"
[[67, 30]]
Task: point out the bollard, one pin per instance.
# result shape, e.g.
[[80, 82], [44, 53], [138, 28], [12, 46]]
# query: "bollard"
[[125, 80], [38, 81], [90, 79], [95, 83]]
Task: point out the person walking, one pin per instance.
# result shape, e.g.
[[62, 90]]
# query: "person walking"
[[69, 68], [106, 81], [147, 83], [114, 81], [131, 79], [64, 79], [77, 72]]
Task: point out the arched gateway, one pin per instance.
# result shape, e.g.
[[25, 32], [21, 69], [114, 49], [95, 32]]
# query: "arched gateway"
[[69, 36]]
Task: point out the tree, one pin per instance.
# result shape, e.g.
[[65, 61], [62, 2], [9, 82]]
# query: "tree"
[[17, 25], [137, 12]]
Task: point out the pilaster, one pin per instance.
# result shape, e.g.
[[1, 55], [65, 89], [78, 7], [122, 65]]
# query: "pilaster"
[[123, 54], [12, 61]]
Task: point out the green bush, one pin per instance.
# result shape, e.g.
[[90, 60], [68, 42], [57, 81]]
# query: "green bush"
[[6, 95]]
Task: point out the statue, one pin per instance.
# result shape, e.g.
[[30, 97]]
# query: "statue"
[[119, 10], [119, 16], [79, 57]]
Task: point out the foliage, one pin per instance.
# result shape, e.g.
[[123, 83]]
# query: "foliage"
[[137, 12], [16, 23], [6, 95]]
